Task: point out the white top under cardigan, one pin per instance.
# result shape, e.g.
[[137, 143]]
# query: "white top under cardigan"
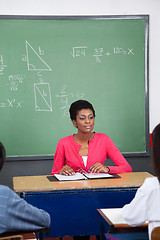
[[85, 160], [145, 206]]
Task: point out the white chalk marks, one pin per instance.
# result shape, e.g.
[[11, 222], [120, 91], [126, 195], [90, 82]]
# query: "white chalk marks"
[[42, 94], [34, 60]]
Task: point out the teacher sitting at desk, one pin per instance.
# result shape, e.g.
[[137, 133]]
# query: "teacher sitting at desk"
[[86, 150]]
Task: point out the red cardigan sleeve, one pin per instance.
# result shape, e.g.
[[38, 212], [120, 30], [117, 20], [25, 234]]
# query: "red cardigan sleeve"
[[59, 158], [121, 165]]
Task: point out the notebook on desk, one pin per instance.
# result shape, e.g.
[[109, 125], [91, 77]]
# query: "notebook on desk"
[[113, 216], [81, 176]]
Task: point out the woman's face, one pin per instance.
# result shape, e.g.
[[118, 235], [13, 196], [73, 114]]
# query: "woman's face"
[[84, 121]]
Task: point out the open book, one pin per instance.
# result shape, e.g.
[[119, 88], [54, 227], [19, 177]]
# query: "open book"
[[83, 176], [113, 215]]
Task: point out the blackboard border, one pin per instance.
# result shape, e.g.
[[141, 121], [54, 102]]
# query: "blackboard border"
[[97, 17], [75, 17]]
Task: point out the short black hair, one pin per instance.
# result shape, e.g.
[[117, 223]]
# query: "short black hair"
[[2, 155], [78, 106]]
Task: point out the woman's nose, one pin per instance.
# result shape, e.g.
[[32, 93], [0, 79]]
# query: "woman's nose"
[[87, 120]]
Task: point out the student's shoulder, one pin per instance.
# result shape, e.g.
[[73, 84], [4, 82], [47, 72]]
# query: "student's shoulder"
[[151, 183], [5, 190], [8, 194]]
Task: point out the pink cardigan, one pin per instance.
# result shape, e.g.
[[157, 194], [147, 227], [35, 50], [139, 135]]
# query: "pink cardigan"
[[100, 147]]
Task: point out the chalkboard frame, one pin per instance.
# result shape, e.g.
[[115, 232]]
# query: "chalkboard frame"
[[98, 17]]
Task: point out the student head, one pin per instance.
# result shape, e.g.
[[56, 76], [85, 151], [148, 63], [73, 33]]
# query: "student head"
[[156, 150], [78, 106], [2, 155]]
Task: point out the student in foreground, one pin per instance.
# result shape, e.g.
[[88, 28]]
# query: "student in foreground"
[[145, 205], [16, 213], [86, 150]]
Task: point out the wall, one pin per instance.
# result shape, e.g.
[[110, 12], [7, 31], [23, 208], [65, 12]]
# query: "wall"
[[93, 7]]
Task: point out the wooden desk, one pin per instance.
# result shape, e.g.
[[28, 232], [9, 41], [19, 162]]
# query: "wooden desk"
[[72, 204], [25, 234], [113, 223]]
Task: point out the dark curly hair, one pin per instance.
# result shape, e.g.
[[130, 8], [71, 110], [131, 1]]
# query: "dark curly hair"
[[78, 106]]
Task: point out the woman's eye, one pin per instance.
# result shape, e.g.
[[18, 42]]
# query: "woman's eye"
[[81, 118], [91, 117]]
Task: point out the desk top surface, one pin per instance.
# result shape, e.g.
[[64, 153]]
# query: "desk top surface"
[[113, 217], [41, 183]]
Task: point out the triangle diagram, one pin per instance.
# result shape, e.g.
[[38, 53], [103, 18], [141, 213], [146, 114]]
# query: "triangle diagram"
[[34, 60], [42, 97]]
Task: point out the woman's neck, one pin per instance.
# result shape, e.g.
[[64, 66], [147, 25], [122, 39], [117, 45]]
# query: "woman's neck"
[[83, 138]]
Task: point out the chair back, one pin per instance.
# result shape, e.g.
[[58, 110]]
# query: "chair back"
[[155, 235], [12, 237], [17, 236]]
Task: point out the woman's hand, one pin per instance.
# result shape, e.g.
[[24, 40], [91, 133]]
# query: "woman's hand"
[[66, 170], [98, 167]]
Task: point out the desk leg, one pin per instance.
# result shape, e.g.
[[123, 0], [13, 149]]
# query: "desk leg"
[[102, 235], [40, 235]]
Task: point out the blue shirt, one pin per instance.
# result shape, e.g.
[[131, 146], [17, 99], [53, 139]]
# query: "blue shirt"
[[17, 214]]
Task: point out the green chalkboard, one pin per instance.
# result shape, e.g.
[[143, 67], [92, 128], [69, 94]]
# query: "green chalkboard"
[[46, 63]]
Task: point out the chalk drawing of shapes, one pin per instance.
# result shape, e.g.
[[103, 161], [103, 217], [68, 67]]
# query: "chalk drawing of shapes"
[[42, 95], [34, 60]]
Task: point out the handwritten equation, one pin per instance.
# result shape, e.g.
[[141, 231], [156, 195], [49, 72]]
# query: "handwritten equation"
[[15, 81], [98, 53], [11, 103], [64, 97], [2, 65]]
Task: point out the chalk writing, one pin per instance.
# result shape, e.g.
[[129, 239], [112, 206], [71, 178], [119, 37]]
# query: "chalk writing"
[[11, 103], [34, 60], [39, 74], [2, 66], [79, 51], [64, 97], [3, 104], [15, 81], [42, 92], [98, 53], [119, 50], [42, 95]]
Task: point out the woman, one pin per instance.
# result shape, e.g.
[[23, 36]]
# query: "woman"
[[145, 206], [86, 150]]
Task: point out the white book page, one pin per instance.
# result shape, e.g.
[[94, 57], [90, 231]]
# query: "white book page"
[[97, 175], [76, 176], [114, 215]]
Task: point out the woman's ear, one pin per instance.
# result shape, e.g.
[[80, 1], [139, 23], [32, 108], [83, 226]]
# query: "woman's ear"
[[74, 123]]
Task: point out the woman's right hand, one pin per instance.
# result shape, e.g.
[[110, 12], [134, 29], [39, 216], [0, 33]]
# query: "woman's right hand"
[[66, 170]]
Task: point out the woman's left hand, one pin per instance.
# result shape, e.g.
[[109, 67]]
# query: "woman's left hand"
[[98, 167]]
